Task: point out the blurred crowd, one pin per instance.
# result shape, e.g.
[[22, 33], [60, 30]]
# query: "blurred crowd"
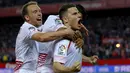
[[8, 33], [10, 3], [109, 38]]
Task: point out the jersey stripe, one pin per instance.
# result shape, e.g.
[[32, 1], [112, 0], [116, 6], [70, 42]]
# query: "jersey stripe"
[[69, 45]]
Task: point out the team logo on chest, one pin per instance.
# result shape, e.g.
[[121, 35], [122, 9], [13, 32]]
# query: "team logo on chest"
[[62, 50], [32, 29]]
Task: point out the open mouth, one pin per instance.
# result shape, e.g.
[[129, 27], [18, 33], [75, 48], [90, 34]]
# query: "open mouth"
[[39, 19], [80, 21]]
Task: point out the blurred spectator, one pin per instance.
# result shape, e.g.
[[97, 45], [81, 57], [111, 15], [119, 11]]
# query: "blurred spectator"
[[8, 3], [115, 28], [128, 50]]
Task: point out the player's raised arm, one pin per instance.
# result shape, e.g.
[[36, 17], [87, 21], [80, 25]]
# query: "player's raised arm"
[[49, 36]]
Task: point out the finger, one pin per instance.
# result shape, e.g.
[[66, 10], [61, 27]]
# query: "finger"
[[78, 67], [79, 44], [79, 34], [86, 33], [95, 57], [79, 40], [75, 36], [94, 62], [86, 30], [84, 27]]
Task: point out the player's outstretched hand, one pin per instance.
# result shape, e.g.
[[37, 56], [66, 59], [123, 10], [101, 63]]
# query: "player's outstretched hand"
[[85, 29], [94, 59]]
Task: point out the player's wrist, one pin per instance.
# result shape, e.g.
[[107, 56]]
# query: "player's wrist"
[[90, 60]]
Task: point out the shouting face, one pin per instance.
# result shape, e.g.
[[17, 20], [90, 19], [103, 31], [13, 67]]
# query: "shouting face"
[[73, 18], [34, 15]]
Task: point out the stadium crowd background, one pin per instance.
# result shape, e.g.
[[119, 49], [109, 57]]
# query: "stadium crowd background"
[[109, 31]]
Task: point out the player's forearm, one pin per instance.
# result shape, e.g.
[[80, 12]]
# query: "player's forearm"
[[54, 35], [85, 58], [49, 36], [59, 68]]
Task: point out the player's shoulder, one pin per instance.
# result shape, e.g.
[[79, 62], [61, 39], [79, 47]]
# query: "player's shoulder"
[[26, 26], [53, 17], [53, 20]]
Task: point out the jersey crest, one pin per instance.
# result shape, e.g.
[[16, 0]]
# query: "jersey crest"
[[62, 50], [32, 29], [58, 21]]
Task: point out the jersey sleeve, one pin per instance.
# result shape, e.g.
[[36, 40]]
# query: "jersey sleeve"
[[60, 53], [53, 23], [30, 31]]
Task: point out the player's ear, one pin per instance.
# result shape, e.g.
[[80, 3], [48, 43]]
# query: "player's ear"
[[65, 19], [26, 17]]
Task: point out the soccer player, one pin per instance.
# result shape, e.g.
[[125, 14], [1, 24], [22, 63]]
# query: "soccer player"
[[67, 56], [26, 46], [53, 23]]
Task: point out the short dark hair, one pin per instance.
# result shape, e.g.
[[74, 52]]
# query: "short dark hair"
[[24, 10], [82, 10], [64, 8]]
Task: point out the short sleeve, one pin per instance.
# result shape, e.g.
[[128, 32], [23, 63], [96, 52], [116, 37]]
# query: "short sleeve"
[[32, 30], [27, 31], [53, 23]]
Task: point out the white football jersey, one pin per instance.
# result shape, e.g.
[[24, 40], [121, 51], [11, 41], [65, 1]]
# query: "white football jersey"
[[67, 53], [53, 23], [26, 48]]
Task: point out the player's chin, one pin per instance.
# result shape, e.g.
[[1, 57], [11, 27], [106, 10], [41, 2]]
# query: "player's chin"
[[39, 22]]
